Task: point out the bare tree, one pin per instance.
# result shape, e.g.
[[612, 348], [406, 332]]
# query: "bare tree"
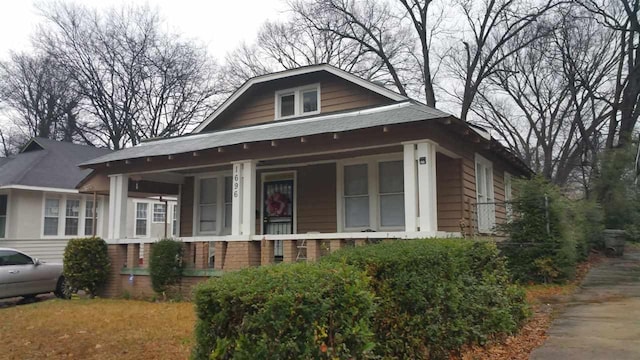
[[622, 17], [39, 96], [550, 101], [136, 82]]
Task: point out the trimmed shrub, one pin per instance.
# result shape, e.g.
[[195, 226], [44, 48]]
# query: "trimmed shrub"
[[285, 311], [86, 264], [165, 264], [434, 296], [540, 245]]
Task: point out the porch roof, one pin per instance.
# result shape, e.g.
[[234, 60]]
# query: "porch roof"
[[399, 113]]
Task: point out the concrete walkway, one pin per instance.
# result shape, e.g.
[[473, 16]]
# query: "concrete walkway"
[[602, 320]]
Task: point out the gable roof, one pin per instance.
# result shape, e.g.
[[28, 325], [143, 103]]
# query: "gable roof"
[[399, 113], [295, 72], [47, 163]]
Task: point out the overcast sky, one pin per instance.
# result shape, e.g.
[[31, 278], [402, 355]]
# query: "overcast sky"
[[220, 24]]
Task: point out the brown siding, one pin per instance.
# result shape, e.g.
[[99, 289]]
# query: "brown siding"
[[317, 199], [257, 105], [186, 207], [449, 192]]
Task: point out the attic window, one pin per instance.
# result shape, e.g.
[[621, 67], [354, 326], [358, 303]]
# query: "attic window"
[[299, 101]]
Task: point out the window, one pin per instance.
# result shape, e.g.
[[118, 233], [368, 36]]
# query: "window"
[[228, 198], [486, 213], [141, 219], [356, 196], [9, 257], [508, 196], [174, 220], [72, 217], [88, 218], [391, 193], [3, 215], [51, 213], [159, 213], [298, 101], [373, 195], [208, 197]]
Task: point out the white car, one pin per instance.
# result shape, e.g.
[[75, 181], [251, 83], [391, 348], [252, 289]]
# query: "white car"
[[26, 276]]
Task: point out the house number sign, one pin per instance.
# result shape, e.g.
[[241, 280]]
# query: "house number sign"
[[236, 180], [422, 160]]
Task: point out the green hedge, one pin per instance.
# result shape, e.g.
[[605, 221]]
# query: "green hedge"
[[434, 296], [86, 264], [165, 264], [287, 311]]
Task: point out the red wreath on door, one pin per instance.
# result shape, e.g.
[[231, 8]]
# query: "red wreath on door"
[[277, 204]]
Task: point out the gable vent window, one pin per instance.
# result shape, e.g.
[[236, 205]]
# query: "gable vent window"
[[299, 101]]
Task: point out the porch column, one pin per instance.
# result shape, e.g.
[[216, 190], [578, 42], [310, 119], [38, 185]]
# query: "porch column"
[[118, 194], [243, 203], [420, 197]]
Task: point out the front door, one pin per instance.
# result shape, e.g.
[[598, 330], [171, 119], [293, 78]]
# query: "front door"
[[277, 210]]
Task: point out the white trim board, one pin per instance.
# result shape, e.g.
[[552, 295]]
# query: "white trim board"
[[299, 71]]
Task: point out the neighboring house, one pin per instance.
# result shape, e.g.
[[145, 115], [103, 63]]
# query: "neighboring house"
[[305, 160], [41, 209]]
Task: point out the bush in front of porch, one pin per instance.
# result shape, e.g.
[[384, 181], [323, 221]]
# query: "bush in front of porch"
[[285, 311], [434, 296]]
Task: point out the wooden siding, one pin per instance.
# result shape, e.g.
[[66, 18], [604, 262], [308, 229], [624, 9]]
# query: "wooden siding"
[[257, 105], [449, 193], [317, 199], [186, 207]]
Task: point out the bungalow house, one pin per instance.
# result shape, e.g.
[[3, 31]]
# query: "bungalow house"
[[304, 161], [41, 209]]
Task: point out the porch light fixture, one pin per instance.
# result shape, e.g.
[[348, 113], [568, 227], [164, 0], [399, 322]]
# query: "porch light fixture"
[[385, 129], [108, 164], [149, 159], [195, 153], [303, 139], [127, 162], [170, 157], [245, 146], [274, 143], [220, 149], [336, 136]]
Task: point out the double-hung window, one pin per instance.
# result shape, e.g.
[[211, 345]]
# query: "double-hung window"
[[373, 195], [174, 220], [51, 214], [141, 219], [159, 213], [72, 217], [90, 217], [299, 101], [486, 211], [213, 204], [208, 199], [3, 215], [228, 199]]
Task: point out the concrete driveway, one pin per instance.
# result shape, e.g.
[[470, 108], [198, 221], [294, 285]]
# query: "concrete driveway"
[[602, 320]]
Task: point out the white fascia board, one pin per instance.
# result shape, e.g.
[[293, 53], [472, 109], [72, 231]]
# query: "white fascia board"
[[287, 73], [40, 188]]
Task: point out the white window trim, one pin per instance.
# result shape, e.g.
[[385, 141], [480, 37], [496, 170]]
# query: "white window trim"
[[490, 196], [297, 101], [175, 217], [153, 218], [219, 203], [135, 218], [62, 198], [6, 216], [80, 217], [372, 162]]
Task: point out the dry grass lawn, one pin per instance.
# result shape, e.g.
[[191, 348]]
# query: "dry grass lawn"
[[97, 329]]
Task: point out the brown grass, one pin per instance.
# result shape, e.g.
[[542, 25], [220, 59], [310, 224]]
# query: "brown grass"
[[97, 329]]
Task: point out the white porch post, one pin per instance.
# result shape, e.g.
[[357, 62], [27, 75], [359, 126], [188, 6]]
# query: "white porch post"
[[420, 198], [249, 198], [427, 196], [410, 188], [243, 203], [118, 195]]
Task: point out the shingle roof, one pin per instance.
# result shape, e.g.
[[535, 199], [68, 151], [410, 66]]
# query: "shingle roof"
[[50, 164], [386, 115]]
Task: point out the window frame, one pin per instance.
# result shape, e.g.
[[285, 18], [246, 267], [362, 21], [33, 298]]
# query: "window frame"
[[373, 164], [508, 195], [60, 222], [220, 202], [297, 101], [78, 217], [90, 218], [4, 235], [135, 220], [486, 167], [153, 214], [62, 206]]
